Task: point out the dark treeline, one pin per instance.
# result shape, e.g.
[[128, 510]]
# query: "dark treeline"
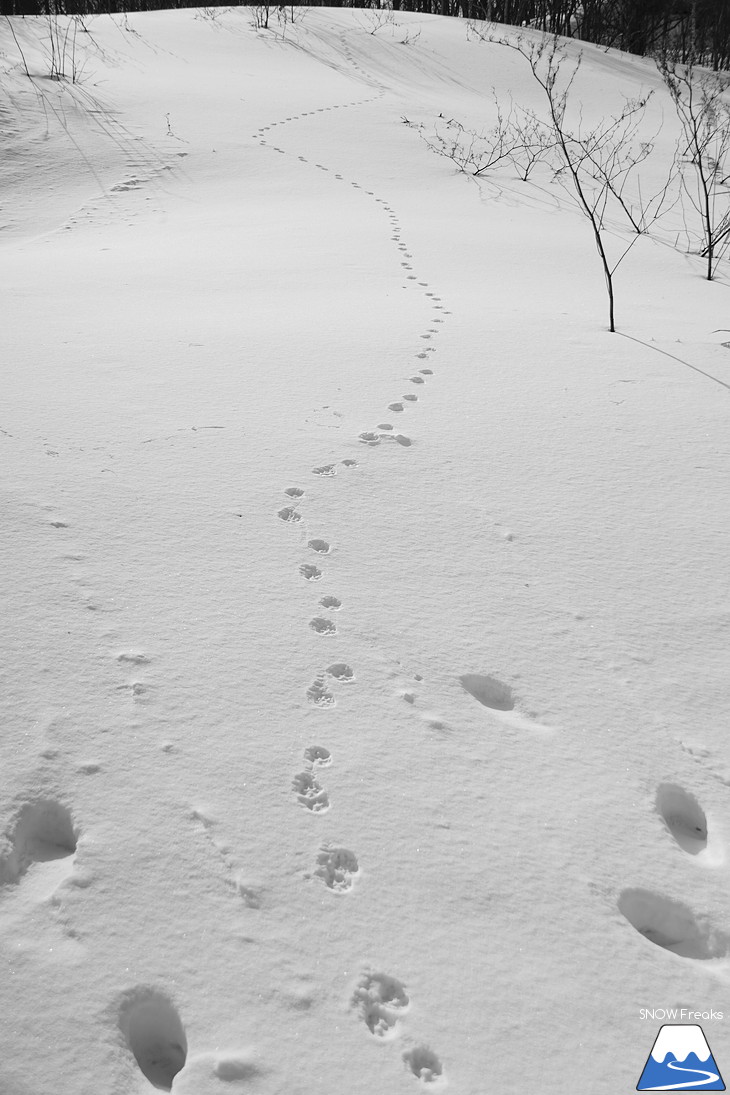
[[683, 30]]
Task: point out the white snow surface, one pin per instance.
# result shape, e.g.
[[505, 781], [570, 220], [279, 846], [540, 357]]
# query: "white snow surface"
[[387, 823], [681, 1040]]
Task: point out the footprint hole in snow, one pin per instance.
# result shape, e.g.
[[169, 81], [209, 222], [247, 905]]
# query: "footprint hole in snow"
[[319, 695], [488, 691], [672, 925], [43, 831], [322, 626], [156, 1037], [310, 793], [683, 816], [331, 602], [383, 989], [288, 513], [229, 1069], [411, 398], [311, 573], [423, 1063], [380, 1024], [341, 672], [318, 756], [320, 546], [294, 492], [336, 866]]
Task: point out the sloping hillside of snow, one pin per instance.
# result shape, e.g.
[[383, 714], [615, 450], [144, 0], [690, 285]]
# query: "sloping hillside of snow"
[[366, 604]]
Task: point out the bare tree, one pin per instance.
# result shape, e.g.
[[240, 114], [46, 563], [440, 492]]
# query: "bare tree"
[[597, 162], [475, 152], [378, 17], [260, 14], [703, 110], [533, 142]]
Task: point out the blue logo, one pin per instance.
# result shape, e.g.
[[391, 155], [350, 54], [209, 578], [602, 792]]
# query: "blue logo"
[[680, 1060]]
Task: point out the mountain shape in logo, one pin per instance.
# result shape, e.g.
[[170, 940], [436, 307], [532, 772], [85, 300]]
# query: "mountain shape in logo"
[[680, 1060]]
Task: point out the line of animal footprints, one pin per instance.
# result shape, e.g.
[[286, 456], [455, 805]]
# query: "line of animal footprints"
[[384, 431], [395, 224], [307, 788], [319, 693], [309, 114], [662, 920], [309, 571], [336, 866], [382, 1001]]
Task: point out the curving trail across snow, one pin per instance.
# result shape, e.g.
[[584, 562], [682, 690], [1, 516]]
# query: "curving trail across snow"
[[364, 601]]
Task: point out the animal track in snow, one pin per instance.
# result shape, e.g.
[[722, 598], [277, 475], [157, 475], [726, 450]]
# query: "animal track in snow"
[[410, 398], [318, 756], [337, 867], [204, 1069], [488, 691], [251, 894], [288, 513], [319, 694], [326, 469], [672, 925], [683, 816], [294, 492], [320, 546], [395, 407], [426, 372], [381, 1000], [133, 657], [310, 572], [423, 1063], [155, 1035], [350, 463], [385, 426], [43, 831], [310, 794], [416, 380], [369, 438], [322, 626], [331, 602], [341, 672]]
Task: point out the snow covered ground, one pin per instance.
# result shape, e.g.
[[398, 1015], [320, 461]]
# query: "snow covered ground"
[[329, 766]]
